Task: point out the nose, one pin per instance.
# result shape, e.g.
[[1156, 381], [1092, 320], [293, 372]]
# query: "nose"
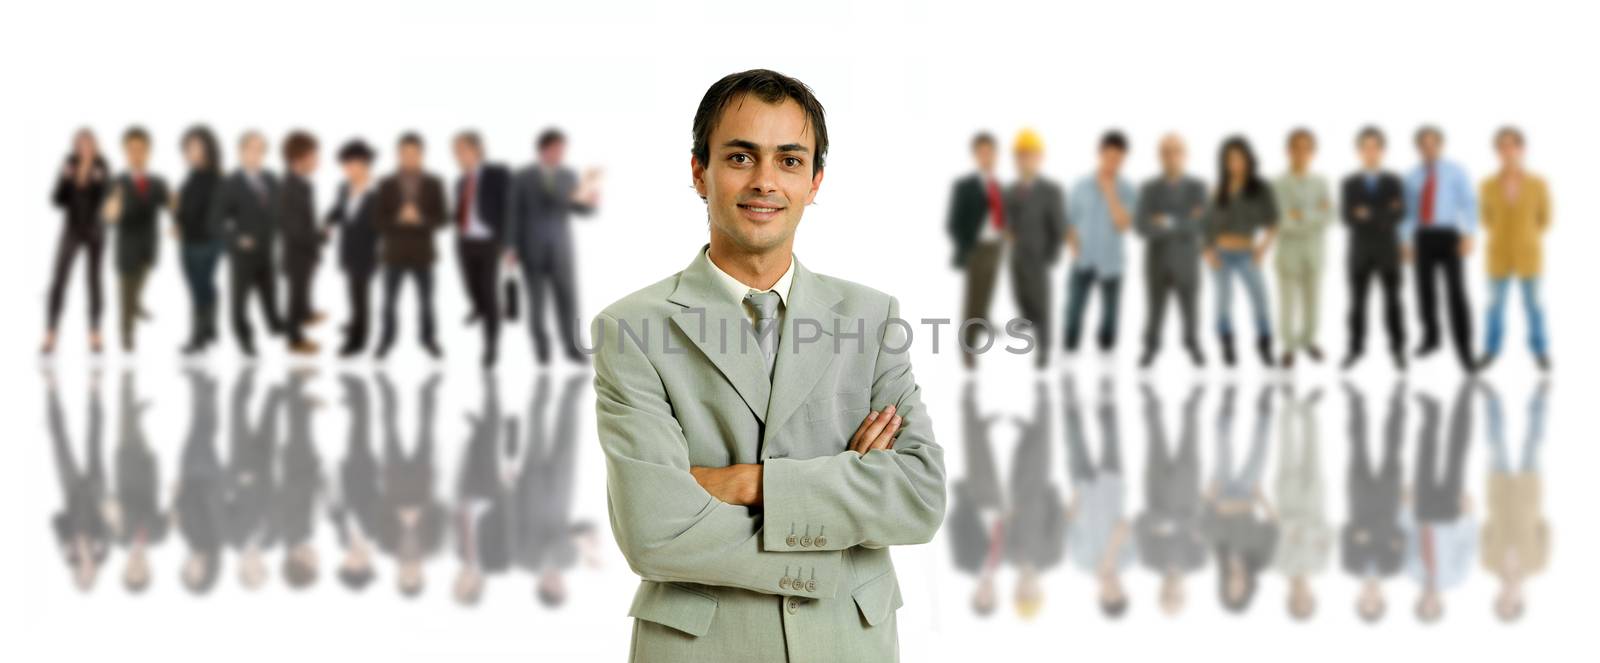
[[764, 178]]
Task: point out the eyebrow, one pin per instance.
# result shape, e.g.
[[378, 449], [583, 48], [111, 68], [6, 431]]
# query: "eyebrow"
[[748, 145]]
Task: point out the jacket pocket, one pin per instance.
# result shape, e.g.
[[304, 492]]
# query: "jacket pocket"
[[845, 403], [674, 606], [877, 597]]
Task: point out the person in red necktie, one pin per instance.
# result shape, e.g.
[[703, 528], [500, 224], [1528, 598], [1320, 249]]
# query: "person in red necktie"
[[977, 224], [482, 204], [1439, 239], [132, 209]]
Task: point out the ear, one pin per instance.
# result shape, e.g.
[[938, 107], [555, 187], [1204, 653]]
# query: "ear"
[[816, 184], [697, 172]]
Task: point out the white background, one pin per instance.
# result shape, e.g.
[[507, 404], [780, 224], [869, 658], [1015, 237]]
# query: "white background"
[[905, 85]]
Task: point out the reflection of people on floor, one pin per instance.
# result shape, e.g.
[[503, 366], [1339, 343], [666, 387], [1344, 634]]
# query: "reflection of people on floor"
[[138, 516], [1036, 524], [200, 505], [1098, 531], [412, 521], [549, 541], [485, 522], [1441, 531], [1372, 545], [1239, 521], [82, 534], [975, 524], [248, 496], [299, 487], [1516, 537], [1170, 541], [354, 500], [1304, 539]]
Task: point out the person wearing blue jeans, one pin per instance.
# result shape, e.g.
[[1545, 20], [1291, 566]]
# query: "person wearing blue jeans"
[[1099, 213], [1239, 227], [1515, 205], [200, 245], [1516, 534]]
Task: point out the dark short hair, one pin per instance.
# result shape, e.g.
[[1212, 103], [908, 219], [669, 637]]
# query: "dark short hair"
[[768, 86], [137, 133], [208, 145], [356, 150], [471, 138], [1426, 129], [1509, 131], [411, 138], [549, 137], [1298, 133], [1372, 132], [1114, 139], [297, 145], [1114, 609], [983, 138], [355, 579]]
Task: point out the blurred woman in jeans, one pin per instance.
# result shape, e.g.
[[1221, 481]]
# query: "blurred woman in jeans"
[[200, 246], [1239, 228], [81, 189]]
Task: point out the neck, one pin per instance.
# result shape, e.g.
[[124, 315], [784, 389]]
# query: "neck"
[[1298, 168], [759, 270], [1172, 174]]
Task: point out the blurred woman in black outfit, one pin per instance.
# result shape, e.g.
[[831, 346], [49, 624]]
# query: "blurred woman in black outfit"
[[201, 246], [80, 190]]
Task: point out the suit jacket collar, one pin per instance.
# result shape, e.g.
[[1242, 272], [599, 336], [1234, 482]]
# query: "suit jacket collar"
[[810, 313]]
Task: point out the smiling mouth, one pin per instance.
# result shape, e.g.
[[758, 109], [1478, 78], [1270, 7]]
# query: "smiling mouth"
[[760, 209]]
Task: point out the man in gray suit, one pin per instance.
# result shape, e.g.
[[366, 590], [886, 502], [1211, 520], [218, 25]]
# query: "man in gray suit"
[[542, 196], [1171, 206], [755, 479], [1036, 210]]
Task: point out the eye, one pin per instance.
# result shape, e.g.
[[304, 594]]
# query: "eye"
[[740, 158], [792, 162]]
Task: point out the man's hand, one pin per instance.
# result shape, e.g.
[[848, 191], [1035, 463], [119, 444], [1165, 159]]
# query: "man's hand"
[[876, 432], [1466, 246], [1405, 254], [739, 485], [246, 244], [1294, 213], [1212, 259], [1362, 213], [409, 214]]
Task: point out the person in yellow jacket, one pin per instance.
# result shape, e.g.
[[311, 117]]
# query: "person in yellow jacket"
[[1515, 205]]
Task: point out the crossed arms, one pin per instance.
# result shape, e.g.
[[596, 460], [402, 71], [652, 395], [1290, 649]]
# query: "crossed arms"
[[886, 488]]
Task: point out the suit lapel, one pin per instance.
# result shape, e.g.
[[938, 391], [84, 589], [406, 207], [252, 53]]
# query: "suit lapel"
[[799, 366], [706, 314]]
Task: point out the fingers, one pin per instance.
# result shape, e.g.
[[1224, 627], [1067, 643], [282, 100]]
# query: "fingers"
[[885, 440], [856, 438]]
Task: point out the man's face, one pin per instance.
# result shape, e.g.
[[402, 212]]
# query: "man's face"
[[1430, 145], [1301, 150], [306, 164], [1172, 155], [1371, 150], [1510, 150], [357, 170], [466, 155], [251, 152], [410, 157], [759, 177], [552, 154], [984, 154], [138, 152], [1111, 159], [1029, 161]]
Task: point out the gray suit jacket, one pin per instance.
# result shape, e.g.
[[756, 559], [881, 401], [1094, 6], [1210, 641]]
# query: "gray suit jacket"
[[1036, 215], [806, 577], [540, 207], [1172, 248]]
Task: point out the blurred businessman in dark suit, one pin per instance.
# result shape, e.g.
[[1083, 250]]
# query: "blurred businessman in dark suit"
[[483, 195], [542, 197]]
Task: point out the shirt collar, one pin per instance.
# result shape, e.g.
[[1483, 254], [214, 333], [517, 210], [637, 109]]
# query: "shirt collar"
[[736, 289]]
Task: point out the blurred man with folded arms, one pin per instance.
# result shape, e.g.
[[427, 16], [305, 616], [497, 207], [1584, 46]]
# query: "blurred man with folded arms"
[[756, 488], [1168, 217], [977, 225], [483, 200], [410, 209], [1441, 221], [1307, 208], [1372, 203]]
